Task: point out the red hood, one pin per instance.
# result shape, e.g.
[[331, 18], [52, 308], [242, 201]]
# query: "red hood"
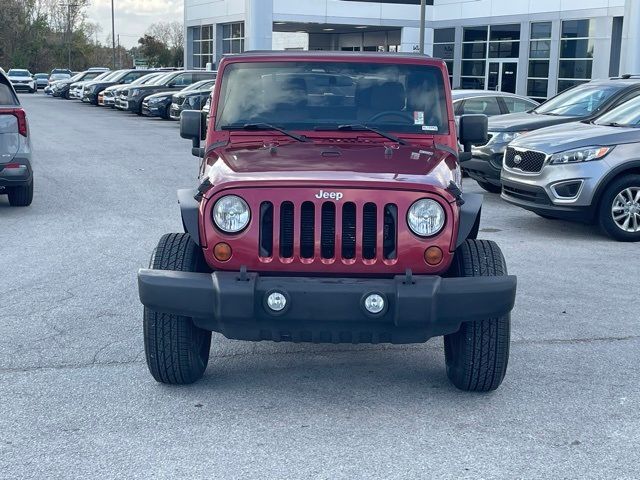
[[346, 163]]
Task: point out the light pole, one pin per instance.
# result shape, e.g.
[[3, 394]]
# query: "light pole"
[[69, 6], [423, 17], [113, 34]]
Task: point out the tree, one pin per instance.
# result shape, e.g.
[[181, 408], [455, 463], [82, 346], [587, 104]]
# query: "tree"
[[155, 51]]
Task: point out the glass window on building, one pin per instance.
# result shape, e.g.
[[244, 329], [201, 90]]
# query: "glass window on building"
[[233, 37], [202, 46], [539, 55], [576, 53], [474, 55], [504, 41], [444, 42]]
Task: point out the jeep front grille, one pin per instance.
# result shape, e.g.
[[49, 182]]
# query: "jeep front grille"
[[328, 231], [529, 160]]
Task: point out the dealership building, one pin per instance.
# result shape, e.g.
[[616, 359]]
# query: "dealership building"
[[534, 48]]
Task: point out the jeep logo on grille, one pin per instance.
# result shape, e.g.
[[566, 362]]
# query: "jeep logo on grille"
[[517, 159], [337, 196]]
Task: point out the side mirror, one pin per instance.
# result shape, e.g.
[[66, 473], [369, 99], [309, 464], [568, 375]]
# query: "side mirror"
[[193, 126], [473, 130]]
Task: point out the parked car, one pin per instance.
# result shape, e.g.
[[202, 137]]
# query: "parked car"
[[489, 102], [62, 88], [77, 89], [110, 94], [132, 98], [65, 71], [16, 175], [42, 80], [22, 80], [587, 171], [330, 217], [159, 104], [193, 97], [124, 77], [584, 102]]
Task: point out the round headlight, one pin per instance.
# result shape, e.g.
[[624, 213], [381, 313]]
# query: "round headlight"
[[425, 217], [231, 214]]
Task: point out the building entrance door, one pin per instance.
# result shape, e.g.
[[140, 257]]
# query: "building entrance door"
[[502, 75]]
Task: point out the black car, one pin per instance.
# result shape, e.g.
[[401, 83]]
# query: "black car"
[[132, 98], [159, 104], [110, 95], [122, 77], [61, 87], [585, 102], [191, 98]]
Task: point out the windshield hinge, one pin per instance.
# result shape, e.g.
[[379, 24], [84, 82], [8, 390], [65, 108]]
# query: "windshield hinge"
[[456, 192], [204, 186]]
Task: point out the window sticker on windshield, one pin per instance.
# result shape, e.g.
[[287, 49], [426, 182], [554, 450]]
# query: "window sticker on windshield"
[[418, 118], [430, 128]]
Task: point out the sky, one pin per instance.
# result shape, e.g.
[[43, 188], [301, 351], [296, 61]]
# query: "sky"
[[132, 17]]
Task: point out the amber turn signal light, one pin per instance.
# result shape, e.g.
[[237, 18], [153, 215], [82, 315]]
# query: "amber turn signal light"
[[433, 256], [222, 252]]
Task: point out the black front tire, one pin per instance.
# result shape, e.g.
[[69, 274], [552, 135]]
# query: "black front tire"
[[177, 351], [21, 196], [477, 355], [489, 187], [605, 211]]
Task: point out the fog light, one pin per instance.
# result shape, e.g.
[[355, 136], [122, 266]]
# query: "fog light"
[[433, 255], [374, 303], [276, 301], [222, 252]]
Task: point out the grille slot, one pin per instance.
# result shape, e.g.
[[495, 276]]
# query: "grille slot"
[[328, 230], [266, 229], [349, 231], [307, 229], [286, 230], [390, 243], [530, 161], [369, 231]]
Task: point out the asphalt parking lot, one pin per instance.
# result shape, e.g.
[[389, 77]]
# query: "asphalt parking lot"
[[77, 401]]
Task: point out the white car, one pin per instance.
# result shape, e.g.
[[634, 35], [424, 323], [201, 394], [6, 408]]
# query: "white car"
[[22, 80]]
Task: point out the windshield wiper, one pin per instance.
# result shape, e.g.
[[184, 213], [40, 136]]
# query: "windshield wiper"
[[266, 126], [613, 124], [357, 126]]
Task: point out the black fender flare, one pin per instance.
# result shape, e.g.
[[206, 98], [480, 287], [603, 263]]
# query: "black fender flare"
[[470, 213], [190, 211]]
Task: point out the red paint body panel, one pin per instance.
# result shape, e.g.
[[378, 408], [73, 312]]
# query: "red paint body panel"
[[364, 167]]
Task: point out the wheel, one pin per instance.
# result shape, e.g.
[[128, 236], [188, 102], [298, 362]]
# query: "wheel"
[[21, 196], [177, 351], [489, 187], [477, 355], [619, 211]]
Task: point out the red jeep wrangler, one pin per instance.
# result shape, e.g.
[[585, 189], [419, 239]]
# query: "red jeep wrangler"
[[329, 210]]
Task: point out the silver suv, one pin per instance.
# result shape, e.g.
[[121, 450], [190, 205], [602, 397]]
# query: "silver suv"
[[16, 176], [586, 171]]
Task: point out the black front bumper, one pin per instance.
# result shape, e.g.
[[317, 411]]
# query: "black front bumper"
[[484, 169], [326, 310]]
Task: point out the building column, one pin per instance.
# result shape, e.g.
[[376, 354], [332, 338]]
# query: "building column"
[[258, 27], [630, 61]]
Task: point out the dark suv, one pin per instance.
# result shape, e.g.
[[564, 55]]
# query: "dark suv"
[[329, 210], [131, 99], [585, 102], [92, 89]]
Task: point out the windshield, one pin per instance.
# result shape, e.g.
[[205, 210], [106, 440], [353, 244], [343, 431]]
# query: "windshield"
[[201, 85], [327, 95], [19, 73], [626, 115], [41, 75], [580, 101], [162, 79], [144, 79], [102, 76], [59, 76]]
